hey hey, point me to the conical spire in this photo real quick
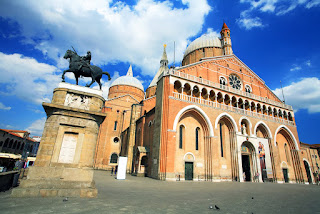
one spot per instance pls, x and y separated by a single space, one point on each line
163 67
224 26
130 73
164 58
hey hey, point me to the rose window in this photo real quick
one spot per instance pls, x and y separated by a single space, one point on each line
235 82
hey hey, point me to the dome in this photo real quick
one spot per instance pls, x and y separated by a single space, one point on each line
128 80
203 42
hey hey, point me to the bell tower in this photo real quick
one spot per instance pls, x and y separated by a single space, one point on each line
226 40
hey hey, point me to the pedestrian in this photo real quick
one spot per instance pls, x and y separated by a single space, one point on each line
244 176
112 171
115 171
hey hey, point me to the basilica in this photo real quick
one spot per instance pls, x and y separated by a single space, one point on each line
211 119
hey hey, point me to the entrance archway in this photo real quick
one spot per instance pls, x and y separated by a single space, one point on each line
306 166
249 163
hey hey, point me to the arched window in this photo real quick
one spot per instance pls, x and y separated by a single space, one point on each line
248 89
114 158
14 145
181 136
197 138
221 140
223 81
6 143
10 144
287 153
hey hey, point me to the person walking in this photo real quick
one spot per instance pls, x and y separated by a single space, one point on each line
115 171
112 171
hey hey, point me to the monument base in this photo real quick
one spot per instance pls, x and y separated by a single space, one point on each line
57 181
64 164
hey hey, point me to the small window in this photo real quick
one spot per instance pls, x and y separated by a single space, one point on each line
221 139
116 140
114 158
223 81
181 136
115 125
197 138
248 89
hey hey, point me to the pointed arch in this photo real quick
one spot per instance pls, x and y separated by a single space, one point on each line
199 110
290 134
265 125
231 119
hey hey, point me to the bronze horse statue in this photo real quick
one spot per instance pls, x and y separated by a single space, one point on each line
80 68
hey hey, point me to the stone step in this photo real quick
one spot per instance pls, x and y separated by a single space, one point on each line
37 192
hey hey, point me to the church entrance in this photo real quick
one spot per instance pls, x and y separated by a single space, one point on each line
189 171
246 168
306 166
285 175
249 162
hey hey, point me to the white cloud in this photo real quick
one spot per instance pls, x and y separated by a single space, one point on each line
36 128
279 7
308 63
247 22
26 78
113 32
6 126
313 3
295 68
3 107
304 94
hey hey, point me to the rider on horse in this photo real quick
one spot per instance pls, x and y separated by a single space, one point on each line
85 60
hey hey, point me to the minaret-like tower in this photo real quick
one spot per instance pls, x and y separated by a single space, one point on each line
151 90
226 40
164 59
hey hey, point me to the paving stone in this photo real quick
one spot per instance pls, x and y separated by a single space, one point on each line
145 195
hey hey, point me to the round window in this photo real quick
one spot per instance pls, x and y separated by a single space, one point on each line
116 140
235 81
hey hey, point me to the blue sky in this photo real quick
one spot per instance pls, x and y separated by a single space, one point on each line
277 39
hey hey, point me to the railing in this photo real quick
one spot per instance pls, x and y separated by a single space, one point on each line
223 87
217 105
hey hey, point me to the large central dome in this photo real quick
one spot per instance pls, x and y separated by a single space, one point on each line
204 41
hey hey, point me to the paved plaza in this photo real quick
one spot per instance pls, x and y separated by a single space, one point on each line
145 195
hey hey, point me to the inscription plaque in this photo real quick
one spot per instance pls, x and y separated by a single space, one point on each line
68 148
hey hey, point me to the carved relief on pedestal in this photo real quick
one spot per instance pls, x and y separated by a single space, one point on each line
77 101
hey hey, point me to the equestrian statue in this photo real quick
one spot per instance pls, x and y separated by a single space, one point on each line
80 66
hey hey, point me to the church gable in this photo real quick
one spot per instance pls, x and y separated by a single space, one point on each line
227 65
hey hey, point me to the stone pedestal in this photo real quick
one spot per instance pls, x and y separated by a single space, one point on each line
64 164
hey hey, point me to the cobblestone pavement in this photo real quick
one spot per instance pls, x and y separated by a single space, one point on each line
145 195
